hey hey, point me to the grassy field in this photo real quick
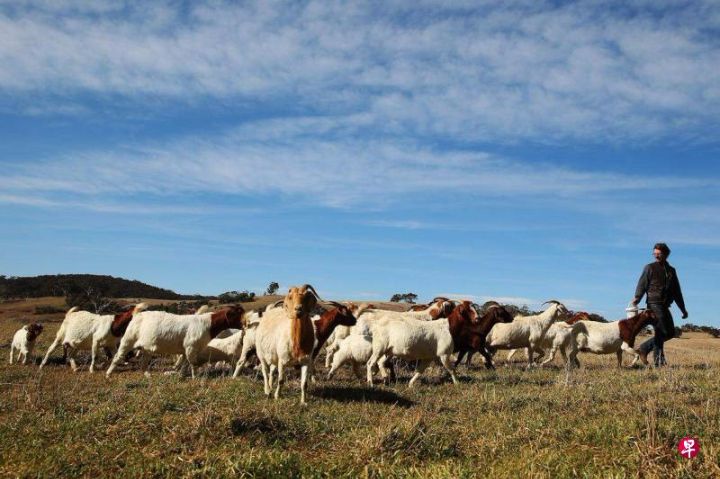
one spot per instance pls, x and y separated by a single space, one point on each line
595 422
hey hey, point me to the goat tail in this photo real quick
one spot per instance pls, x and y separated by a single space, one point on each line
362 308
302 335
71 310
139 308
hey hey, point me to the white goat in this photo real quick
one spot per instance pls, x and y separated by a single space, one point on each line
439 307
82 330
414 339
286 336
525 331
342 332
355 348
24 341
614 337
218 350
248 346
560 336
158 332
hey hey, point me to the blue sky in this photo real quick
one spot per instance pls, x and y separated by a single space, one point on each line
522 150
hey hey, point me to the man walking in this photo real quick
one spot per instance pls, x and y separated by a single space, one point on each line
660 282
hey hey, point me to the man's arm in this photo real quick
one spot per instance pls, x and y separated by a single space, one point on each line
677 295
642 285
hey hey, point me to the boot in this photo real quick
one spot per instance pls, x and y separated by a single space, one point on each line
643 357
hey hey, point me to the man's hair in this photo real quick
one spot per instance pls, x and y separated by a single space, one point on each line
663 247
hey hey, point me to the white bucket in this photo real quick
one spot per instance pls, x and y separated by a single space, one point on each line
631 311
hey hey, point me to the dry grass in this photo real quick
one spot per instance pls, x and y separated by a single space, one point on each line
595 422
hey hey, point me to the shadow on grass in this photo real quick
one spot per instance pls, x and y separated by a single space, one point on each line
52 361
266 428
345 394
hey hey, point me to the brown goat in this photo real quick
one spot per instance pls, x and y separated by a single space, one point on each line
579 316
33 331
298 305
471 336
329 320
631 327
226 319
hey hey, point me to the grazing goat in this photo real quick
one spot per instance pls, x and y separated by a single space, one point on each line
82 330
24 341
425 341
158 332
525 331
614 337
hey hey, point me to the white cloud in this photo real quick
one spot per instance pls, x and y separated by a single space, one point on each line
494 72
289 158
332 172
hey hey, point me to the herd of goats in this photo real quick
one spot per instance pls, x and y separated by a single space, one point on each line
291 333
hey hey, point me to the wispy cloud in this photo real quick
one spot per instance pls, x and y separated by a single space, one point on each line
125 207
404 224
336 172
502 71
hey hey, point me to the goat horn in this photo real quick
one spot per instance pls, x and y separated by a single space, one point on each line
555 301
336 304
307 286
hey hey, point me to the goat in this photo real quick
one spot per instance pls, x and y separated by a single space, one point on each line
356 349
425 341
493 315
222 348
559 338
525 331
24 341
158 332
275 347
82 330
342 332
614 337
287 336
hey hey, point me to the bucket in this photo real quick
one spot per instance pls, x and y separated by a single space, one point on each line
631 310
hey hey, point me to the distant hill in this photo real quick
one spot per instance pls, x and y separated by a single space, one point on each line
62 284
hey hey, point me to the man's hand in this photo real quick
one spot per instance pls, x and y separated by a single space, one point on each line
684 315
634 301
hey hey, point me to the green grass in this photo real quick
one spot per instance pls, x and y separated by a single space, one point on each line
596 422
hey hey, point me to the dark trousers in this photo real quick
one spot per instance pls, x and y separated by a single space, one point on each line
664 331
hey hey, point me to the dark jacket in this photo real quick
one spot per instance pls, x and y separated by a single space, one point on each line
660 282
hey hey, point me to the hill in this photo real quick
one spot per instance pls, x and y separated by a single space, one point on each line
71 284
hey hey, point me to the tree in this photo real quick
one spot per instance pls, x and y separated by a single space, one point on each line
89 297
272 288
236 297
406 297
